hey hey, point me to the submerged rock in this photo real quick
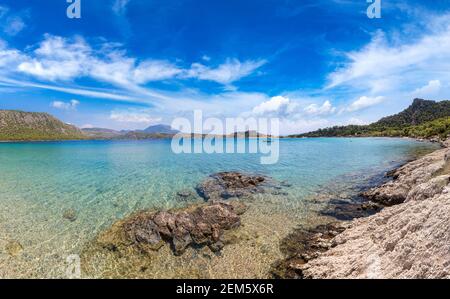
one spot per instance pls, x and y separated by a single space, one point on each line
201 225
70 215
187 196
14 248
303 245
349 210
225 185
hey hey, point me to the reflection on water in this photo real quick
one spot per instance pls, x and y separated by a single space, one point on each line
56 197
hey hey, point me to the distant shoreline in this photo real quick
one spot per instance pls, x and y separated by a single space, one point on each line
225 137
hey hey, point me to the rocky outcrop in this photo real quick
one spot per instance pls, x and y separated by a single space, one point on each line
201 225
408 240
225 185
407 177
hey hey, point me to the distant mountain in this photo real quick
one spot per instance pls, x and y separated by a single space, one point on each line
101 133
152 132
421 119
22 126
141 135
160 129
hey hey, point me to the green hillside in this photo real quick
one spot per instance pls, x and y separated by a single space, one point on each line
423 119
24 126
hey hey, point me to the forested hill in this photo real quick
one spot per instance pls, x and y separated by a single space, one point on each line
422 119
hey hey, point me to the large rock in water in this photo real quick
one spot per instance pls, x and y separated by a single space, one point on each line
225 185
199 226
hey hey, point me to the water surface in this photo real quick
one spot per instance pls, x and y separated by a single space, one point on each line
103 181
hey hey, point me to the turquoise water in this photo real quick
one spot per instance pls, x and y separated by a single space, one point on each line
103 181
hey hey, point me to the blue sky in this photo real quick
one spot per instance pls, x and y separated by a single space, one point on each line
127 64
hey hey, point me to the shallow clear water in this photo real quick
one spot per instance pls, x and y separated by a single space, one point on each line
103 181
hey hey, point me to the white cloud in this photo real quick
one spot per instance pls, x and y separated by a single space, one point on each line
87 126
230 71
119 6
394 64
325 108
57 58
364 102
8 58
3 11
134 117
432 88
154 71
72 105
14 25
276 105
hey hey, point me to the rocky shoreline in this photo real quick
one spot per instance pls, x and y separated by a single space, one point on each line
408 238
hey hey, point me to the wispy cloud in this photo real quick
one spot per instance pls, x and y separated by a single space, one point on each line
12 23
81 91
407 63
230 71
119 6
61 59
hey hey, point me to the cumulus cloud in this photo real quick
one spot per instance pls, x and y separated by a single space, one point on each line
432 88
276 105
364 102
72 105
8 58
137 117
324 109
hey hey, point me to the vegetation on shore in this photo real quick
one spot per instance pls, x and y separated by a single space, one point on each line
423 119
